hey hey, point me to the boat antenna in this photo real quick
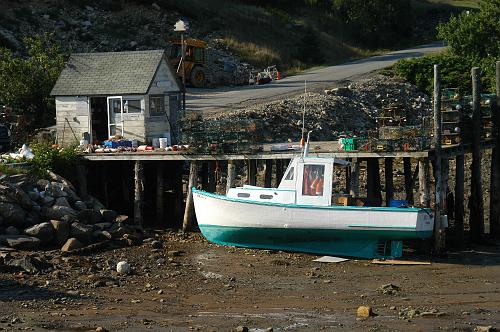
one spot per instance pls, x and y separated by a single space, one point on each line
306 147
303 116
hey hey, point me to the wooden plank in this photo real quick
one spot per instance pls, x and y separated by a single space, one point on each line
439 230
424 182
189 215
398 262
354 177
231 175
138 192
408 180
458 225
495 165
252 172
476 216
389 180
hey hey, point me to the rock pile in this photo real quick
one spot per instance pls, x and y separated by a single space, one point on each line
37 213
350 110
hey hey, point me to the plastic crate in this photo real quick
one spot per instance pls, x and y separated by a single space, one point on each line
116 144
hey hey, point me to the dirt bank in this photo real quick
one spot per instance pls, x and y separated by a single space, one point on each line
189 284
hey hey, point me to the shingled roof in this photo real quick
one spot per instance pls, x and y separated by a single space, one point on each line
108 73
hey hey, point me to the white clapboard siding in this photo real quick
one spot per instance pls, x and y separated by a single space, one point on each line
72 119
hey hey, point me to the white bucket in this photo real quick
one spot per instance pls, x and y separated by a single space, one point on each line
156 142
163 142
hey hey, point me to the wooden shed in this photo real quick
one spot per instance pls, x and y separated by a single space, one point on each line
133 94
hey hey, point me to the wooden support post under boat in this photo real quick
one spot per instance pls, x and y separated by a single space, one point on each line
252 172
423 182
160 191
354 177
449 200
279 172
81 173
348 178
268 173
439 231
189 210
389 180
138 192
231 175
458 230
495 165
211 181
373 182
476 216
408 180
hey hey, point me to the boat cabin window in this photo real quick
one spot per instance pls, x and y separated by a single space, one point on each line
266 196
313 180
245 195
289 175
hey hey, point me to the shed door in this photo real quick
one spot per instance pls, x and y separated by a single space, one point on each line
115 116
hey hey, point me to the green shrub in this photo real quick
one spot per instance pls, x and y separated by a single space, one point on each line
48 158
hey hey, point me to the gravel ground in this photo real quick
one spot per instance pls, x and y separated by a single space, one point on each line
187 283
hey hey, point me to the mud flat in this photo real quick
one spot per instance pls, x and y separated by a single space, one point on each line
181 282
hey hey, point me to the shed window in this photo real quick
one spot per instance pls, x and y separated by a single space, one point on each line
156 106
132 106
313 180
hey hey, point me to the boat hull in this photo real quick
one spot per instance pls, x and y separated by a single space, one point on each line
341 231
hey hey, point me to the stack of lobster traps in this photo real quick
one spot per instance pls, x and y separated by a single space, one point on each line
222 136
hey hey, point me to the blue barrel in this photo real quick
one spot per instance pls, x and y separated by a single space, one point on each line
398 203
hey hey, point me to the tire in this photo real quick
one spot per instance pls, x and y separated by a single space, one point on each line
198 77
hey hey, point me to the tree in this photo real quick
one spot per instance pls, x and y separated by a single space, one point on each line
476 34
26 80
376 23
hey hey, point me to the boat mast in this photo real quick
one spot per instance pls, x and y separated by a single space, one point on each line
303 116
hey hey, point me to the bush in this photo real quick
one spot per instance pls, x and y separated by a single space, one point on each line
49 158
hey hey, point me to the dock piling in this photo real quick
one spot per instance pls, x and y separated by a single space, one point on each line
189 209
495 164
389 180
439 231
138 192
231 175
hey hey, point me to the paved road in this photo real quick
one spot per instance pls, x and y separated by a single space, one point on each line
213 99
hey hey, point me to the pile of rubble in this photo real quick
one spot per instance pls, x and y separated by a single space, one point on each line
36 213
345 111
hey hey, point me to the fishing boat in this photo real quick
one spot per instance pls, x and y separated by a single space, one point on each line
299 216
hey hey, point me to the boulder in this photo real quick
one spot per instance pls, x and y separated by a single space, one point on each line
44 232
364 311
103 225
94 203
101 235
82 232
16 194
32 219
89 216
71 244
27 264
61 231
118 230
55 189
57 178
13 214
57 212
41 184
62 201
11 230
34 195
47 200
108 215
22 242
80 205
122 219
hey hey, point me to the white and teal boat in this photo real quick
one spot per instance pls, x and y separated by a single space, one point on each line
298 216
